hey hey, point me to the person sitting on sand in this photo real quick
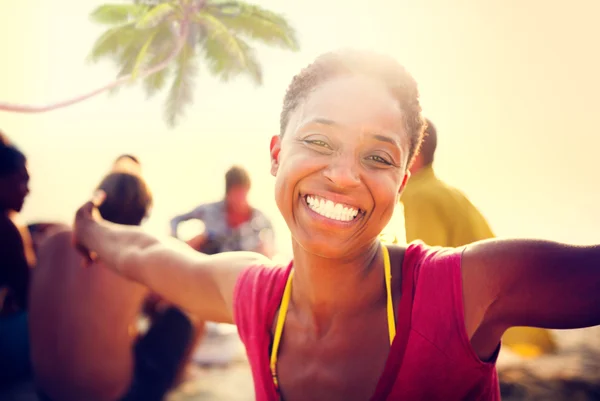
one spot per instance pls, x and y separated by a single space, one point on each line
154 307
350 319
231 224
84 343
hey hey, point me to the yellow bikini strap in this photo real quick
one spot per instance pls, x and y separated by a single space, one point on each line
283 308
388 287
285 302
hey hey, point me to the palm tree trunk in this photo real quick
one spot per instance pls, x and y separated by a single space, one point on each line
28 109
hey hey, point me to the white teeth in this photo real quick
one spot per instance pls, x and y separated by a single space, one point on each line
331 210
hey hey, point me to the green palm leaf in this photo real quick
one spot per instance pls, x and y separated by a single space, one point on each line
256 22
182 89
227 55
157 82
126 58
111 42
112 14
142 54
155 16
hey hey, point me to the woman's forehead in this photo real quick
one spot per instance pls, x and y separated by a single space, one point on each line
355 103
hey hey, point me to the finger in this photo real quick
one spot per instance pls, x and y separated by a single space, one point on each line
85 210
98 198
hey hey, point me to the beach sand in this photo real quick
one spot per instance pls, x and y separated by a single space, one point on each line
231 383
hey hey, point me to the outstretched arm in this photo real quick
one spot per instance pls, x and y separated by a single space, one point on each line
203 285
532 283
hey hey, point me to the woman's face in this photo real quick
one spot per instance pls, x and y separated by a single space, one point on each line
340 166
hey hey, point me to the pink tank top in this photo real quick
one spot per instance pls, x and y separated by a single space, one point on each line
435 360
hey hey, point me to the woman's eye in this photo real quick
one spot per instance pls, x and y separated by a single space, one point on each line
318 142
380 159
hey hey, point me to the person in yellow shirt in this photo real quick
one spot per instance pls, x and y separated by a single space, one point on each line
441 215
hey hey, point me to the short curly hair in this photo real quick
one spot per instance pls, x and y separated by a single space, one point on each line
382 68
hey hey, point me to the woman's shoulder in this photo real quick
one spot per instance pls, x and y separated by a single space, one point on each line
422 258
257 293
423 253
262 276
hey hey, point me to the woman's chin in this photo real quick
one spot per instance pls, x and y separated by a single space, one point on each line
327 248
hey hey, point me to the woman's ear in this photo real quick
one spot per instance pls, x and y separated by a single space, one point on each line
403 185
275 149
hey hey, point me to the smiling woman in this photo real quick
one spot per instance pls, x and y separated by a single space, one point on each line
350 125
350 318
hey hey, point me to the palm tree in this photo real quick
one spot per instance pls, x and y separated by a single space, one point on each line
161 42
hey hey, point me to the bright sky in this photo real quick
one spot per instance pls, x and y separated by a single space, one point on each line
512 87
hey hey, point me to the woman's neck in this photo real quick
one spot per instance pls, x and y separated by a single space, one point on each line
324 289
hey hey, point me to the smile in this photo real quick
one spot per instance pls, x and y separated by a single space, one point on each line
330 209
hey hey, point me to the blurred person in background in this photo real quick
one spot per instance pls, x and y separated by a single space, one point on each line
85 343
441 215
231 224
16 260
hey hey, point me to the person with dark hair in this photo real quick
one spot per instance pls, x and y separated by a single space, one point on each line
231 224
83 322
16 259
350 318
130 199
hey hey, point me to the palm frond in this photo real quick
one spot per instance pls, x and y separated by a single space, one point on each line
142 54
226 54
155 16
256 22
110 42
127 57
114 14
157 81
139 47
182 89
